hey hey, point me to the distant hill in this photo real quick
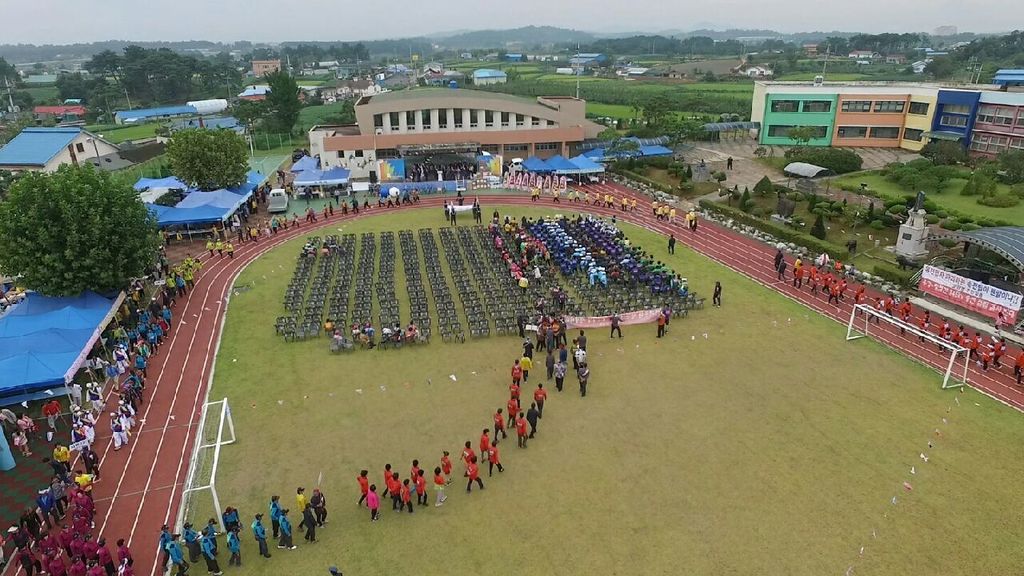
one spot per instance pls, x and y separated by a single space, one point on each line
526 36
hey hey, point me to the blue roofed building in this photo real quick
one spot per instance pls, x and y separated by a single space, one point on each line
141 115
1009 78
589 59
210 122
44 149
515 57
486 76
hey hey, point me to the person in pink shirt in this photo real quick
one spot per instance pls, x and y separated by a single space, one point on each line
104 558
96 570
124 554
77 568
90 549
373 503
55 566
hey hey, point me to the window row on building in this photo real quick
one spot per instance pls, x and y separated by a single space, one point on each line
447 119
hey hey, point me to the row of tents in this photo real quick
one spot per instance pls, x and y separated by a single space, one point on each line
197 207
560 165
308 173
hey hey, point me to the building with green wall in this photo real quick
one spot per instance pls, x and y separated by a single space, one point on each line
783 112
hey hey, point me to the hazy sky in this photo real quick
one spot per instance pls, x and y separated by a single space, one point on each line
66 21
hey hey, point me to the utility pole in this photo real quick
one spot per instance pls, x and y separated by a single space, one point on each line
10 97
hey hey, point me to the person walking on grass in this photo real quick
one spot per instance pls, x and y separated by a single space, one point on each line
499 424
494 459
395 488
319 504
260 534
584 377
473 473
173 552
517 373
549 363
521 433
540 395
210 556
716 295
421 488
446 466
527 364
485 441
275 516
191 538
309 520
387 480
406 493
235 547
373 503
439 483
560 370
364 486
513 409
285 542
531 416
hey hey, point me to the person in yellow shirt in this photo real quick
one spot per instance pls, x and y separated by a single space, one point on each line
632 205
300 498
62 455
219 245
623 203
535 194
230 249
654 207
526 363
209 246
671 215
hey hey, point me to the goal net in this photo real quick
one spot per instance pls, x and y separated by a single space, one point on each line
199 497
888 327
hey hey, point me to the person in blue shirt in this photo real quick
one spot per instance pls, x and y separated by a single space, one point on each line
173 551
140 364
235 546
231 519
167 314
286 531
191 538
275 516
165 540
210 554
260 533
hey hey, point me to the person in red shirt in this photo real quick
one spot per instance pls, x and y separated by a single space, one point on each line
924 323
513 408
387 481
439 484
51 410
858 296
467 455
395 487
364 486
812 279
446 466
55 566
513 389
539 396
972 344
421 488
984 357
473 473
798 277
485 441
494 459
105 558
998 349
517 372
415 470
499 424
1018 367
521 430
842 288
406 496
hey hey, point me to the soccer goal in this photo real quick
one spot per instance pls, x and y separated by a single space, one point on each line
859 327
199 497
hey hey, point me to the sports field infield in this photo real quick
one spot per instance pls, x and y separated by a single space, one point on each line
751 440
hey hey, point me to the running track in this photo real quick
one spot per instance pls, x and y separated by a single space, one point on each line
141 486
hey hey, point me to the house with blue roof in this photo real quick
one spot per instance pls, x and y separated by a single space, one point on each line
486 76
140 115
45 149
1009 78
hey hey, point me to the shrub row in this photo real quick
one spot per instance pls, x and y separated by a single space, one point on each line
779 231
893 274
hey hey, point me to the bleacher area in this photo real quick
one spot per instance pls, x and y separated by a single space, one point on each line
472 282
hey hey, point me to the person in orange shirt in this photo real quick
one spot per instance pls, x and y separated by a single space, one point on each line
521 430
798 277
499 424
812 279
833 292
387 481
473 473
1018 367
661 325
415 470
406 496
421 488
998 350
396 492
985 356
858 296
494 459
539 396
973 343
467 452
513 389
439 484
485 441
513 407
446 466
364 486
842 288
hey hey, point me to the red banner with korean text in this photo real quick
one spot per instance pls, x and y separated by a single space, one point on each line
970 294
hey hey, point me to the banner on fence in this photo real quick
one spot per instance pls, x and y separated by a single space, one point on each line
971 294
638 317
563 183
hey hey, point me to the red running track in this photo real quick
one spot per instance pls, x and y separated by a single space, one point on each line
141 486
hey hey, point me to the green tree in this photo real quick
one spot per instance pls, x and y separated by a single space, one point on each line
250 113
945 153
656 108
1012 164
208 159
818 228
801 135
746 204
74 230
7 71
764 186
608 134
282 102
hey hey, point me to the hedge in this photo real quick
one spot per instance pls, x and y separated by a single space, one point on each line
783 233
893 274
940 212
645 180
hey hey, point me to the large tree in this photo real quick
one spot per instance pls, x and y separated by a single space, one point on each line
208 159
282 103
74 230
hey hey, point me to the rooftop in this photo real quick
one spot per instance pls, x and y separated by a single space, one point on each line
142 113
441 93
37 146
488 73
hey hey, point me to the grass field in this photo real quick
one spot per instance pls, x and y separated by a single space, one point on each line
949 199
313 115
771 447
118 134
41 94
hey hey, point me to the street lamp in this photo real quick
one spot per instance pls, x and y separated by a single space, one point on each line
95 149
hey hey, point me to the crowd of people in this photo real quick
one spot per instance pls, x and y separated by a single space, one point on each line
427 171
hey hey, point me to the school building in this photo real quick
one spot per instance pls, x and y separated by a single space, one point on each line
985 119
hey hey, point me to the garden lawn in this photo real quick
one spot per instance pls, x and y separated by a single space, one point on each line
119 134
949 199
769 447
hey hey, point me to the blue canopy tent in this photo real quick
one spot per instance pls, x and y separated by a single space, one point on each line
216 198
166 183
655 150
585 165
534 164
305 163
560 165
333 177
44 341
206 214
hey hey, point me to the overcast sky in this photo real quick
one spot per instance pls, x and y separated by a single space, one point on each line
66 21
